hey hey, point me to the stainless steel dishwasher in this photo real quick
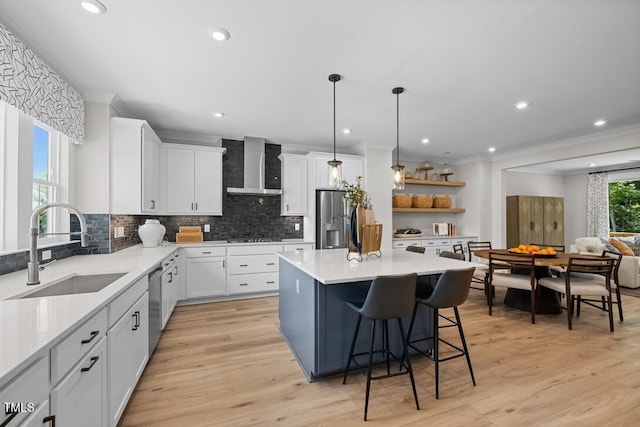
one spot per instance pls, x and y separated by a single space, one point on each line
155 308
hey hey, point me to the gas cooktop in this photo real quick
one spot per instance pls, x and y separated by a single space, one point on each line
253 240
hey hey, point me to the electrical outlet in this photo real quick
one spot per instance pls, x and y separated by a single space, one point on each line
115 232
207 228
46 255
296 226
121 231
118 232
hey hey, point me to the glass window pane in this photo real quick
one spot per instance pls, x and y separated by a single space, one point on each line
40 153
42 195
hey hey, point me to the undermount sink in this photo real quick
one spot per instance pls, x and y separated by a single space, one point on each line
76 284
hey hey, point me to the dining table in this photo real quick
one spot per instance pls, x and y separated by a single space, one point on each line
548 301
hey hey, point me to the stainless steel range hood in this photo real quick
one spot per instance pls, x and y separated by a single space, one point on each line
254 170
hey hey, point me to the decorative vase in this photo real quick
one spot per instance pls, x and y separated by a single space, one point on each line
151 233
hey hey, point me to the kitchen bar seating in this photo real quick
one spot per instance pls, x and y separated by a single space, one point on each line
451 290
389 297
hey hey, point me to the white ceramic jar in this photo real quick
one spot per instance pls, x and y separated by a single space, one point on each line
151 233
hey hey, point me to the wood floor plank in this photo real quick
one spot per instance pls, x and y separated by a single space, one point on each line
226 364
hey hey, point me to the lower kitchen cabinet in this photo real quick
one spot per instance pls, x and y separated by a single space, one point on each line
206 272
128 354
30 386
80 399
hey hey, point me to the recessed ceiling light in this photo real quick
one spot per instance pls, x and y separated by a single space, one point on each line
93 6
425 140
600 122
492 149
346 131
218 114
522 105
591 165
220 34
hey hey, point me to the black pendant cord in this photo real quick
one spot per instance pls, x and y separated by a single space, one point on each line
397 128
334 121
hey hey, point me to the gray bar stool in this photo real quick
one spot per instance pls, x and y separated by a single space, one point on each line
451 290
389 297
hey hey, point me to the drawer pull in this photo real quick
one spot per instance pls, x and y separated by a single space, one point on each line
93 335
271 263
94 359
206 252
50 419
270 282
244 265
12 416
244 284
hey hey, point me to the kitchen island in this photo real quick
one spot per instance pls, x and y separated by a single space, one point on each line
314 285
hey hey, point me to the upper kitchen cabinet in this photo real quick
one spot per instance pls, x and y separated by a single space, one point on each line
194 179
135 167
294 184
352 167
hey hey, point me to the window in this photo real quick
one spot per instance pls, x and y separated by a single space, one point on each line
624 206
44 175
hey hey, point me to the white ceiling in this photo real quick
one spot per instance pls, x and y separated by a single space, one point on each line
463 63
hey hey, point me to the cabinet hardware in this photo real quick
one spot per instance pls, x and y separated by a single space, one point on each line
93 335
138 318
94 359
153 204
299 249
196 205
224 263
12 416
287 207
206 252
50 419
271 263
135 321
175 270
555 225
243 284
192 206
270 282
171 277
244 265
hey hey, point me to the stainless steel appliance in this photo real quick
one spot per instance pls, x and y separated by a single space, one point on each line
331 219
155 308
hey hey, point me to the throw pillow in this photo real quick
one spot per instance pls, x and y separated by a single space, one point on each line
609 246
624 249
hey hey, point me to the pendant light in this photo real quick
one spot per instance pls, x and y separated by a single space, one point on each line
335 166
398 169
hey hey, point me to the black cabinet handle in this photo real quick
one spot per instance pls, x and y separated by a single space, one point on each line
137 313
12 415
50 419
175 270
244 265
271 263
531 225
555 225
93 335
135 321
153 204
206 252
94 359
171 277
270 282
244 284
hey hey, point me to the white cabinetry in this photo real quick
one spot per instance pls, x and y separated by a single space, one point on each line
294 184
135 167
205 272
80 399
194 179
352 167
128 355
29 387
434 245
169 282
253 269
293 247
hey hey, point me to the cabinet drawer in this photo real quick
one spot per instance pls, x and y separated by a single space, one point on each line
243 264
404 243
436 242
30 386
121 304
243 283
297 247
38 415
254 250
204 251
69 351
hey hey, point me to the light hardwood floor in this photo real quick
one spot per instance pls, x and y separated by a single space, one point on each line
226 364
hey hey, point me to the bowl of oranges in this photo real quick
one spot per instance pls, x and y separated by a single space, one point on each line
535 250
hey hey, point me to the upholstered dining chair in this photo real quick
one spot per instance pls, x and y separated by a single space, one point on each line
614 284
505 270
585 276
480 271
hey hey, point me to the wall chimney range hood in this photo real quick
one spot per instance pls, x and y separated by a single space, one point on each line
254 170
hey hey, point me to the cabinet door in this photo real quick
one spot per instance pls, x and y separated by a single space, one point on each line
208 183
180 180
206 277
351 169
150 171
140 337
294 186
167 295
80 399
553 221
120 365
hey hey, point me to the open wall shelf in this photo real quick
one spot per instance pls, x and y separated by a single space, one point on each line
430 210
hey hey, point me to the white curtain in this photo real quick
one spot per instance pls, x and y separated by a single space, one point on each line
598 205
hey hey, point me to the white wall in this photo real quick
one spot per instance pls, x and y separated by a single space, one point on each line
473 197
575 212
92 161
377 170
533 184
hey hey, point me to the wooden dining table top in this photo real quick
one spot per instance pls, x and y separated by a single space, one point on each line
561 259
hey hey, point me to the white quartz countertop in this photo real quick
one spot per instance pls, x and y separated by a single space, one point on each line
431 236
330 266
31 326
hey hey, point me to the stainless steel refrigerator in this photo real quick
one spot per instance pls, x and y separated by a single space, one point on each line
331 219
